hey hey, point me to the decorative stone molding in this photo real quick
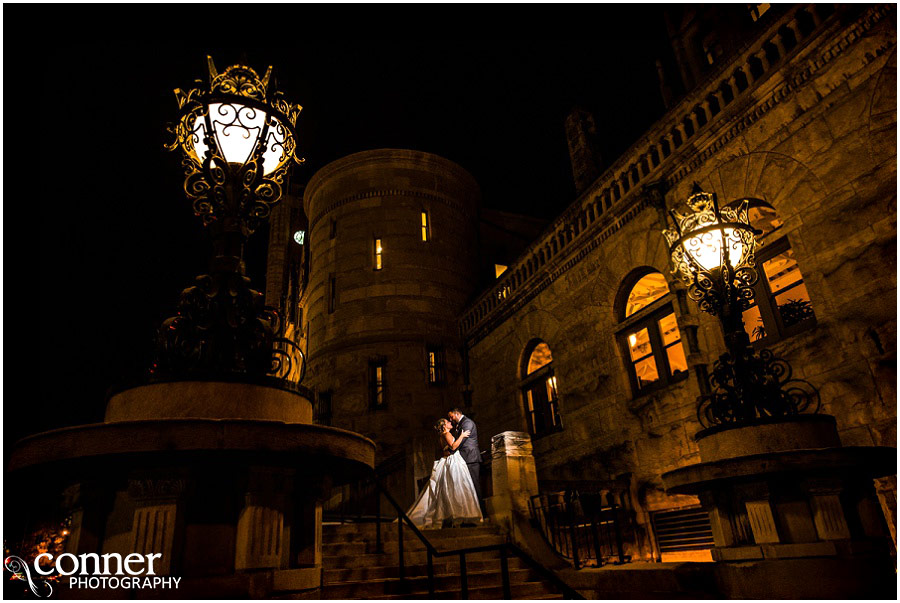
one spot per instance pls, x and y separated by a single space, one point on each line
388 193
508 295
156 488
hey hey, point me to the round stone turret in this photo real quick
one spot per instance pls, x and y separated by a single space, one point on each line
392 264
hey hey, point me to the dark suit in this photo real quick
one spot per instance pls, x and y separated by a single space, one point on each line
470 451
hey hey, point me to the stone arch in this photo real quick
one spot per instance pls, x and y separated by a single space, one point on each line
536 324
781 180
882 114
627 284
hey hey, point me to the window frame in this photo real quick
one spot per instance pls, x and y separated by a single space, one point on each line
535 379
440 365
648 317
764 299
378 254
425 229
374 365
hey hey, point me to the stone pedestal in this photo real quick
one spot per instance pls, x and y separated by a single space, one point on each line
784 495
222 480
513 475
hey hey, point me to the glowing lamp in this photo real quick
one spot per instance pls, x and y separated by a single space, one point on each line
711 242
238 140
712 252
237 129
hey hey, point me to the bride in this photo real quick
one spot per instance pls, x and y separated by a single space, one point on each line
450 493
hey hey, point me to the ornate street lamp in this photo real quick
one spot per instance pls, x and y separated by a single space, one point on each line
712 250
238 141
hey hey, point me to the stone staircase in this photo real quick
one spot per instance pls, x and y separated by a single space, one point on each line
353 570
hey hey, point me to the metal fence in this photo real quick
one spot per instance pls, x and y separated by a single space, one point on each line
581 526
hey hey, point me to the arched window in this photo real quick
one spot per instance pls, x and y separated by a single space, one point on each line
650 337
539 390
781 305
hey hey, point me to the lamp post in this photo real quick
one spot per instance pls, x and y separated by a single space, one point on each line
238 140
712 250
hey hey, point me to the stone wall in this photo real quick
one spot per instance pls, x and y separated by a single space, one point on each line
394 313
816 139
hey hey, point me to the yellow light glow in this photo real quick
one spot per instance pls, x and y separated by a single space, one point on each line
237 128
706 248
499 269
424 226
632 339
378 254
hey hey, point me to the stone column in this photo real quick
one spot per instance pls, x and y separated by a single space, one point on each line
261 533
886 488
89 505
158 516
514 476
828 514
759 512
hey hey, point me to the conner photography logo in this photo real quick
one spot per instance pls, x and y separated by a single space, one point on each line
88 570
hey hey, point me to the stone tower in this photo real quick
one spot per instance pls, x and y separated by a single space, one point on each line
581 134
392 264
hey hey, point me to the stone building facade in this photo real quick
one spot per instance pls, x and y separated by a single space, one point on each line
799 117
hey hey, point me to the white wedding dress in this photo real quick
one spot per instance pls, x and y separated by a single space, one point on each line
449 494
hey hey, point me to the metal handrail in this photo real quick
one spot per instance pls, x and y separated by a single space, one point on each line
504 549
561 530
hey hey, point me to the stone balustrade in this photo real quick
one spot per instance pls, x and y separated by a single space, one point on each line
614 196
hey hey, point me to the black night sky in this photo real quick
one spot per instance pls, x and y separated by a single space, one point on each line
487 86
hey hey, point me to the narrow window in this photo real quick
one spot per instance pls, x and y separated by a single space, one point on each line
378 254
424 225
435 359
377 382
539 390
333 232
332 291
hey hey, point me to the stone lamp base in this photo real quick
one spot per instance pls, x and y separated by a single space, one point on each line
793 514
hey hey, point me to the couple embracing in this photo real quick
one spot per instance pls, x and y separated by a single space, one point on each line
453 493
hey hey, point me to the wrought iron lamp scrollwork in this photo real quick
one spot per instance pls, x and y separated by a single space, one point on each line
238 142
712 250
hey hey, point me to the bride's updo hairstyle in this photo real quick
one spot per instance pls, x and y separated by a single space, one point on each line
439 426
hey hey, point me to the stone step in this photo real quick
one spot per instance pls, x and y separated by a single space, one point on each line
389 532
360 547
441 568
477 581
526 590
415 557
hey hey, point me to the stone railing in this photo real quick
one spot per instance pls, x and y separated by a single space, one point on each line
615 197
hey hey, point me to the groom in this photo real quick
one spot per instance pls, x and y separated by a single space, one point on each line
468 450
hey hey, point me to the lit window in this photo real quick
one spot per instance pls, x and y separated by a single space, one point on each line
758 10
299 237
646 291
378 254
435 358
377 383
781 305
424 225
651 338
539 390
499 269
